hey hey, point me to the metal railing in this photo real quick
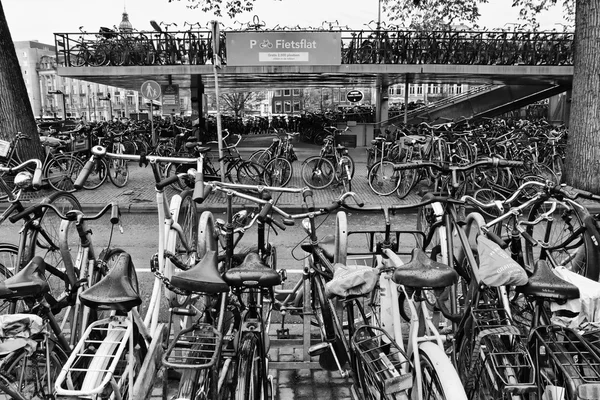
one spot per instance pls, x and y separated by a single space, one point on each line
357 47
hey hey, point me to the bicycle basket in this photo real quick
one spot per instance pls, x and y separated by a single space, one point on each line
4 148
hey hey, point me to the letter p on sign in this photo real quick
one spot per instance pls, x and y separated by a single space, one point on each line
252 43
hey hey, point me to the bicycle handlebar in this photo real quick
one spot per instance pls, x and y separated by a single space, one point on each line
36 181
71 215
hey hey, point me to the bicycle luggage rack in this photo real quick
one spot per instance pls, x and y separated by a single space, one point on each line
381 354
197 347
508 371
109 337
577 359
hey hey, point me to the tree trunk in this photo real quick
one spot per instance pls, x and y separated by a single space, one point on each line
583 151
16 114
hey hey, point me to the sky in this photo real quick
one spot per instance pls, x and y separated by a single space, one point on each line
40 19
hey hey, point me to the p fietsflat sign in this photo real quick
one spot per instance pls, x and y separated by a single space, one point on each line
283 48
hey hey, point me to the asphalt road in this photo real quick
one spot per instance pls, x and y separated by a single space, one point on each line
140 239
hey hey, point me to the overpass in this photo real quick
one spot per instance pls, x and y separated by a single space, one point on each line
523 67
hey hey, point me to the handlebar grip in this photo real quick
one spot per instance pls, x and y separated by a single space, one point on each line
332 207
510 163
37 178
277 224
528 237
308 199
114 213
265 211
83 175
497 239
166 182
198 195
23 213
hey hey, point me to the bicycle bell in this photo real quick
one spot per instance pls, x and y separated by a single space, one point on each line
23 180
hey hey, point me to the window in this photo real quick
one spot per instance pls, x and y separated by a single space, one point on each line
459 88
278 107
287 92
419 89
336 96
296 105
287 106
451 89
296 92
278 93
411 89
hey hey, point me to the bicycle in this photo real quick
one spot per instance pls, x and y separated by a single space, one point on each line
319 172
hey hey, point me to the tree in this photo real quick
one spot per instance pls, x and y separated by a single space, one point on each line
583 150
238 102
16 114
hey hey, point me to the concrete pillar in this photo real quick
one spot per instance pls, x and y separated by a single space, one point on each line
197 99
382 103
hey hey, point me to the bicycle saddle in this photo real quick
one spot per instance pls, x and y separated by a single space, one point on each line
544 284
203 277
252 272
339 147
28 282
194 145
118 290
422 272
327 245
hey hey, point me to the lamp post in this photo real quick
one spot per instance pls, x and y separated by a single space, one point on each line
64 102
107 98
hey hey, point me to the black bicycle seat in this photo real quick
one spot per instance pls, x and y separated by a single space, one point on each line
545 284
423 272
327 245
252 272
118 290
29 282
203 277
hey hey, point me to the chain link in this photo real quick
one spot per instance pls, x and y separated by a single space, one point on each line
165 281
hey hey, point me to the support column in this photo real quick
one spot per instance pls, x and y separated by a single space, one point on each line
382 103
197 103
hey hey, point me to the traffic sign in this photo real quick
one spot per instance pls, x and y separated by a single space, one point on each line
354 96
170 99
150 90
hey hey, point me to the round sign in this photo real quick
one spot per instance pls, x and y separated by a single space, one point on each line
150 90
354 95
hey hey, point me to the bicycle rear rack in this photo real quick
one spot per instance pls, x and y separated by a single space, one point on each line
98 359
497 359
383 359
563 350
197 347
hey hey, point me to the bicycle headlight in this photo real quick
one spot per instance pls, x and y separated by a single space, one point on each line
23 180
306 225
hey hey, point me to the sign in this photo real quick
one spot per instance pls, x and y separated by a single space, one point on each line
150 90
354 96
283 48
170 99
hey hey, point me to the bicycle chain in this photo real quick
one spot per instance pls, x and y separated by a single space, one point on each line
165 281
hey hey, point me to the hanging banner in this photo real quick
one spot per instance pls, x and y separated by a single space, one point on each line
283 48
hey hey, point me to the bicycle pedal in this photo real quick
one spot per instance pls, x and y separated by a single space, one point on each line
318 349
398 384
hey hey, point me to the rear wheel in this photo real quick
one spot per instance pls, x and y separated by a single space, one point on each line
318 172
97 176
278 172
382 178
249 382
250 173
408 179
9 265
61 172
439 377
8 179
118 172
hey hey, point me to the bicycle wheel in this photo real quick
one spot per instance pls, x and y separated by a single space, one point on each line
97 176
118 172
543 171
438 155
250 173
439 377
29 371
317 172
173 169
185 213
78 56
249 383
278 172
572 243
62 171
487 195
344 173
408 180
383 180
9 389
9 180
261 157
9 265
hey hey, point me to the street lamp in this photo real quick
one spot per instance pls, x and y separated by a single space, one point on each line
63 101
107 98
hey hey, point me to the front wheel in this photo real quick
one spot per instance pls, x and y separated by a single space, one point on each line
118 172
249 360
278 172
383 180
250 173
439 379
318 172
61 172
97 176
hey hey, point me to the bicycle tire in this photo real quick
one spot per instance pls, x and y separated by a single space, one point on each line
184 211
580 255
10 389
97 176
261 157
9 265
442 375
317 172
278 172
487 195
250 173
173 169
118 172
9 179
382 178
350 164
129 147
438 155
19 367
408 180
249 383
62 171
77 56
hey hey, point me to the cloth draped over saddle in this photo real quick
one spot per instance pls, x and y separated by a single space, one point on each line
16 331
351 280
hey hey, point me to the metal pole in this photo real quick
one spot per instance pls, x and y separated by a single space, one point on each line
216 66
64 106
406 99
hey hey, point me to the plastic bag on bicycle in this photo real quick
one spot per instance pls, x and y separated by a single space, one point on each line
587 306
496 267
16 330
351 280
